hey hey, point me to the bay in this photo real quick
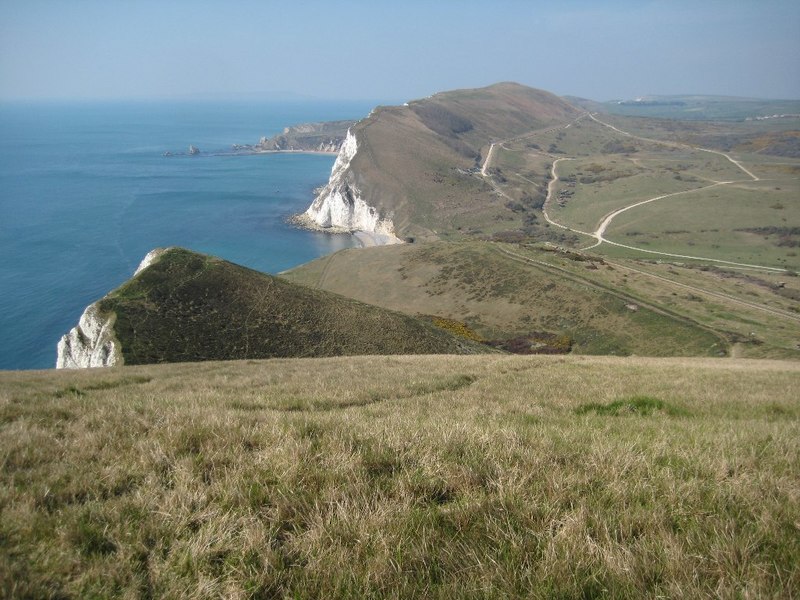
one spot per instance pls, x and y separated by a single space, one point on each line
86 192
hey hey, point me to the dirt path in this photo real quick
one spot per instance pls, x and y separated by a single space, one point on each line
551 186
488 159
607 220
324 275
676 145
598 234
501 143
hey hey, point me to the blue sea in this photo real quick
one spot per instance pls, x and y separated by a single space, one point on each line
86 192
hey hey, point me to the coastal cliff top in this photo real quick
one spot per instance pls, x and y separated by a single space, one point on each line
186 306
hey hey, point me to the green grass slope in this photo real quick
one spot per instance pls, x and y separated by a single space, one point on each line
501 296
403 477
703 205
191 307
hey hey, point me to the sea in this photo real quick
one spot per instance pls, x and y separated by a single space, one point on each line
86 191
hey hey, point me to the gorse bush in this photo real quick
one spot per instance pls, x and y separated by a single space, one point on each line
457 328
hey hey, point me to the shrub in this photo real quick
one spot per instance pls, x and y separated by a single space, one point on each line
457 328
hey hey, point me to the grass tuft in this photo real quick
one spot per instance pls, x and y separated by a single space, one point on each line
91 537
635 405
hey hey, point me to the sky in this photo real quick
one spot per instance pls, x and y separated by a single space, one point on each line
396 51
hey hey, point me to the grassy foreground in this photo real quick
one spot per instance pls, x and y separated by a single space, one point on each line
434 477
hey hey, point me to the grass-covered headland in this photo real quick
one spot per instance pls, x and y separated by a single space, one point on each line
193 307
430 477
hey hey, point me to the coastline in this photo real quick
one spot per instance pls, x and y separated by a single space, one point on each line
365 239
117 144
325 152
247 152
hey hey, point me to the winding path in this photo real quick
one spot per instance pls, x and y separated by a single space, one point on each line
607 220
598 234
517 138
675 145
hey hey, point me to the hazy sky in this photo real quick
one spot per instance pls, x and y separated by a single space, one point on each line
396 50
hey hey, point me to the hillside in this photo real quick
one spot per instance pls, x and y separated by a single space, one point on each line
480 164
408 477
411 165
672 237
306 137
605 306
191 307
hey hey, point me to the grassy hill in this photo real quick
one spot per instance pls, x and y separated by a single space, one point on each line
374 477
605 305
446 476
417 164
501 297
191 307
718 191
412 160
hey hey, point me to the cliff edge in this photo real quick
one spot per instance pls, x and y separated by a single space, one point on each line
339 206
93 341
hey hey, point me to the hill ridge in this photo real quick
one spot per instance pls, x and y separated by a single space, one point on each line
431 138
183 306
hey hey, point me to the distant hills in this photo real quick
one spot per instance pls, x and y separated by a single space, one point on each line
307 137
695 107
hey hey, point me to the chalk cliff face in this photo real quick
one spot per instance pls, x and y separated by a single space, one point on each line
93 343
339 205
90 344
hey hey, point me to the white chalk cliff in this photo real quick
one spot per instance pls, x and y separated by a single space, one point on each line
339 206
93 343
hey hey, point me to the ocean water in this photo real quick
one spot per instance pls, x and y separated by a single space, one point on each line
85 193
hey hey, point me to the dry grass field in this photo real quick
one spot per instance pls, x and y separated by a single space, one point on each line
506 290
397 477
